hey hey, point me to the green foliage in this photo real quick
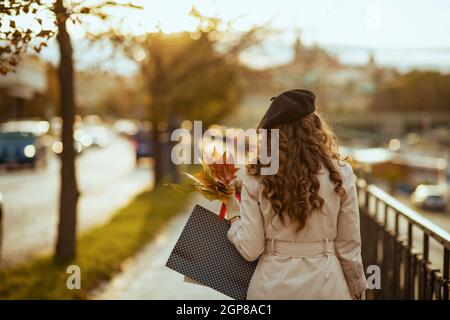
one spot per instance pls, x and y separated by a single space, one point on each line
100 251
192 75
415 90
15 37
188 78
19 35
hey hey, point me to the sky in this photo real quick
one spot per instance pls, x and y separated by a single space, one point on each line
382 23
401 33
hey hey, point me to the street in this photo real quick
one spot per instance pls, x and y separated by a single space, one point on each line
107 179
440 218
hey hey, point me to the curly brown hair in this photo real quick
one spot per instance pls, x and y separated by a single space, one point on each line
304 146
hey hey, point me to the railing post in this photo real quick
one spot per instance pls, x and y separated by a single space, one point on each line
446 272
425 257
378 233
389 252
397 257
364 222
408 265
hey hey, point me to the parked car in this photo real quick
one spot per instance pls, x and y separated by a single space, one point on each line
37 127
22 148
98 135
142 144
126 127
57 147
430 197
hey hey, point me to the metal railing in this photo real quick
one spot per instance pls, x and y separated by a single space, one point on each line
412 252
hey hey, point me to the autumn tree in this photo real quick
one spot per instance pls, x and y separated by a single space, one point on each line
28 26
415 90
190 75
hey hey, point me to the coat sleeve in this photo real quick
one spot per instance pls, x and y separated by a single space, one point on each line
348 240
247 234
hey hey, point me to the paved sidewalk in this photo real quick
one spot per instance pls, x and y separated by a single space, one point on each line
146 277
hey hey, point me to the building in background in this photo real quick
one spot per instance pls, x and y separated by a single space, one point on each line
339 87
345 93
21 86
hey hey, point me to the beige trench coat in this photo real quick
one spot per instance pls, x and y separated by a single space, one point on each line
321 261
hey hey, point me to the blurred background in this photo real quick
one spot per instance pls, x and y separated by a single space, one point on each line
380 70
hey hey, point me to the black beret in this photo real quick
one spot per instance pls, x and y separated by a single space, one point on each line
287 107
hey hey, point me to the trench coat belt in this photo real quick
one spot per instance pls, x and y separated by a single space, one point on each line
299 249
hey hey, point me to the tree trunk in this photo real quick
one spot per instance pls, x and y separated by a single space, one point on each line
19 110
158 168
173 123
66 241
156 85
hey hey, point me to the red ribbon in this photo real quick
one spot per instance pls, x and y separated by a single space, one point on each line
223 208
223 211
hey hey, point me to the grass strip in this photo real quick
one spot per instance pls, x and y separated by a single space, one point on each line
101 250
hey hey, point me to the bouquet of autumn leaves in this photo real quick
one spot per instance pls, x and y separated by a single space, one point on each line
214 182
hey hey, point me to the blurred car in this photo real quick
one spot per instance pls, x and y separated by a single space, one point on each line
126 127
92 120
22 148
37 127
96 136
81 142
142 144
57 147
430 197
24 142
